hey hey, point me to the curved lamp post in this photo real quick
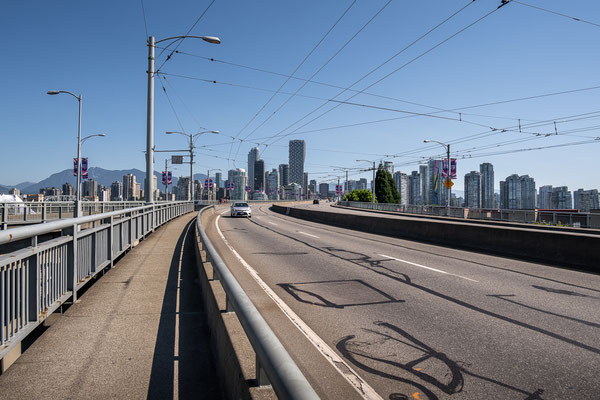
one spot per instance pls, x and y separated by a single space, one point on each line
78 196
150 110
191 137
447 148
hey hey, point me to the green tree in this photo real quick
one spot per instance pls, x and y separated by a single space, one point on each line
359 195
385 187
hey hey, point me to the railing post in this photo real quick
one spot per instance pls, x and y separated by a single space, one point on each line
43 212
72 261
111 242
33 290
261 375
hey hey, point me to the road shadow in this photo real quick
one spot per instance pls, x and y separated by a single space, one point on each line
183 362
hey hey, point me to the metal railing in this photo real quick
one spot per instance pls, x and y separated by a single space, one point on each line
43 211
40 275
540 217
271 357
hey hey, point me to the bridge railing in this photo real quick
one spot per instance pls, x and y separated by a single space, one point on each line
272 359
536 216
30 212
43 265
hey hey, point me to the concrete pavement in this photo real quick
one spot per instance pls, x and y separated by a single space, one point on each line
137 332
417 320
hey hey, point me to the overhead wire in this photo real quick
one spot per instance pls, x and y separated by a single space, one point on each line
144 15
557 13
320 68
296 69
384 63
182 39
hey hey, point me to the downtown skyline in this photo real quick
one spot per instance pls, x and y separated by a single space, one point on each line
115 103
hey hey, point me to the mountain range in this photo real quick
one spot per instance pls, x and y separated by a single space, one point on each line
102 176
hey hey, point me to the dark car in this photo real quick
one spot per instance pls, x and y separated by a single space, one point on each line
316 201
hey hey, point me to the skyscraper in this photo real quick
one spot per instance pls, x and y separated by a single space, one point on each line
586 200
324 190
253 156
129 187
518 192
487 185
473 189
259 176
389 167
219 179
284 174
544 197
90 188
272 182
305 185
414 188
402 184
425 175
240 181
561 198
116 191
67 189
297 154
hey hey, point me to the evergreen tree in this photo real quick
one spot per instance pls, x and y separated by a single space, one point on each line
385 187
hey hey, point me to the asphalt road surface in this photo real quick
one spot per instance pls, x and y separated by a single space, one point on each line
368 316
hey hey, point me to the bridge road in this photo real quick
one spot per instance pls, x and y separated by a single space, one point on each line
137 332
419 321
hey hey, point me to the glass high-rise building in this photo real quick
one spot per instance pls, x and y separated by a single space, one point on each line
487 185
259 176
473 189
253 156
414 188
297 155
284 174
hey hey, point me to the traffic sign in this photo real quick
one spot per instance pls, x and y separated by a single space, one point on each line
448 183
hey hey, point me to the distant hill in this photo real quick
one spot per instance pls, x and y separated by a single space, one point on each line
103 176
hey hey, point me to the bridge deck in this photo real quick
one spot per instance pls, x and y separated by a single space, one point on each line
137 332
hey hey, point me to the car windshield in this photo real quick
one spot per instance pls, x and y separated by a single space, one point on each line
240 205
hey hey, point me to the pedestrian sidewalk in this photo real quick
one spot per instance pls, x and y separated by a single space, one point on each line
137 332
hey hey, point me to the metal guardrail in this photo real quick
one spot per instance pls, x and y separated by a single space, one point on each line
540 217
33 212
36 279
271 357
43 211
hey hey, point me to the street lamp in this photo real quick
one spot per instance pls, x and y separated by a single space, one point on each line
78 197
373 185
447 148
150 108
191 136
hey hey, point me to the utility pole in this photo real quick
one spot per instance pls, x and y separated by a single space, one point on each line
150 123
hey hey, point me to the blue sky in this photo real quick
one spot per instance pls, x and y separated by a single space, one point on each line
99 49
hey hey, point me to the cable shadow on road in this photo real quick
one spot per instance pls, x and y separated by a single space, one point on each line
337 293
377 266
444 255
505 297
445 374
182 365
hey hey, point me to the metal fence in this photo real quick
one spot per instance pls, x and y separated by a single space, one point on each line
43 211
42 273
539 217
271 357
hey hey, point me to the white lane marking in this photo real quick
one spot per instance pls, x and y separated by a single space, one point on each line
272 223
429 268
358 383
308 234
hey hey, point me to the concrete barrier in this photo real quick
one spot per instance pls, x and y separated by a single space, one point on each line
575 250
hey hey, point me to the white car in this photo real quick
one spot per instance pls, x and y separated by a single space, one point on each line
241 210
